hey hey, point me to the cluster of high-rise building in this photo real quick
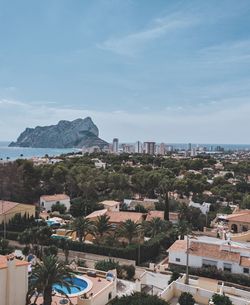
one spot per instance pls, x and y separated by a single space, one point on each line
153 148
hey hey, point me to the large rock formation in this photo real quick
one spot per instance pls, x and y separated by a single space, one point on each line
78 133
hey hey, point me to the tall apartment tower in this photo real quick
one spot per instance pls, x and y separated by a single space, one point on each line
162 149
138 147
115 145
149 148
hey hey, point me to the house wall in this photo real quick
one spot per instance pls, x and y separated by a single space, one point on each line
3 285
101 298
13 284
29 209
48 204
201 295
240 225
197 261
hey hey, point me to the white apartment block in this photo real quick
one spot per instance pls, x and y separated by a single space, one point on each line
13 281
208 251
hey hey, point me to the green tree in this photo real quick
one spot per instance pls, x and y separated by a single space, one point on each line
221 300
129 229
82 226
63 243
245 202
155 226
4 247
61 208
186 298
102 226
47 273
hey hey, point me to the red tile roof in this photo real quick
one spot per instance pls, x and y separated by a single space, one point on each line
56 197
3 262
6 206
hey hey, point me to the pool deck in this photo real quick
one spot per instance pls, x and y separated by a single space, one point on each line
98 285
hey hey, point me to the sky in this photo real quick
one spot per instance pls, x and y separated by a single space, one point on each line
164 70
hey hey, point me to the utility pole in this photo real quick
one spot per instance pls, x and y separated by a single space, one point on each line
187 263
4 227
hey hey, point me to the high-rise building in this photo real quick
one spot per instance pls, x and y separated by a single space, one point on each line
162 149
138 147
115 145
189 146
149 148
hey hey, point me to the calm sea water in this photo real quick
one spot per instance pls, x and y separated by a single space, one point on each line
19 152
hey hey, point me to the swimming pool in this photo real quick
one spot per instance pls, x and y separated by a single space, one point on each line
79 285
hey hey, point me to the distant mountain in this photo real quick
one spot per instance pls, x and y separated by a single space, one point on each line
78 133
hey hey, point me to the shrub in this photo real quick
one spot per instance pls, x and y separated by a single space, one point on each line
106 265
138 298
174 276
129 270
186 298
221 300
51 250
81 263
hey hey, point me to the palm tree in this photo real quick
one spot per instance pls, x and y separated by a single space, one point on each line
102 226
64 245
129 229
82 226
155 226
182 228
47 273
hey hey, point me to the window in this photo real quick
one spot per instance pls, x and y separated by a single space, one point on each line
208 263
177 259
110 295
245 270
227 267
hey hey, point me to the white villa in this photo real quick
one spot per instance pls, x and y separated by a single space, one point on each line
46 201
13 280
111 205
208 251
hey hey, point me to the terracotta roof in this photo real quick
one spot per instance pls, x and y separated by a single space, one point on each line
242 216
154 214
117 217
178 245
56 197
110 203
213 251
97 213
205 250
3 262
245 261
6 206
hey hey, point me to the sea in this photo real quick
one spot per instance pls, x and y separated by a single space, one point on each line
13 153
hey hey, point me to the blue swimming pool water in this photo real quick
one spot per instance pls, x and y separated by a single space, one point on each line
78 285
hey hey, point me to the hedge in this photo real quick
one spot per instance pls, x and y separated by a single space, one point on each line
10 235
148 251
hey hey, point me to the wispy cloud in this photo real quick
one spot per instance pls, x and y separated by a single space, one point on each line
228 52
130 44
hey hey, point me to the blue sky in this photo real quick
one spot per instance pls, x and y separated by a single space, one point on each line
172 71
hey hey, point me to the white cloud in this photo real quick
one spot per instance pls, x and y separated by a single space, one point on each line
131 43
